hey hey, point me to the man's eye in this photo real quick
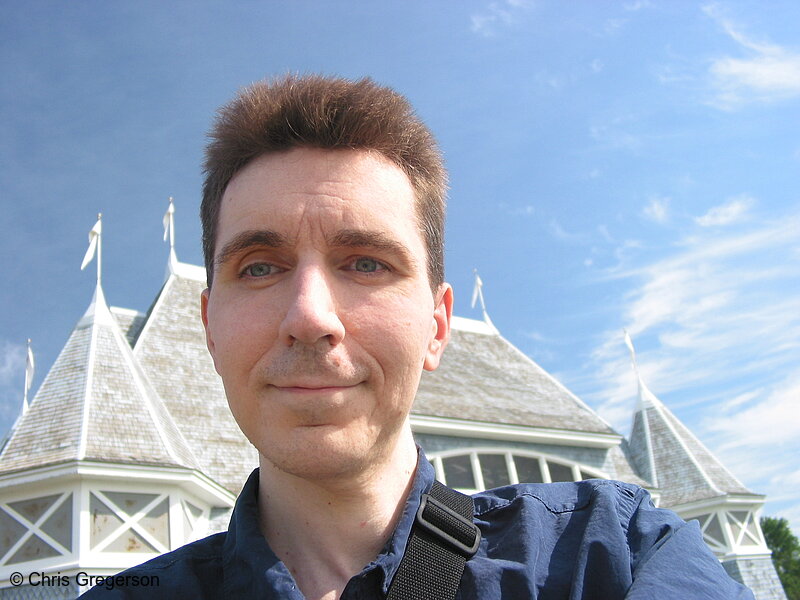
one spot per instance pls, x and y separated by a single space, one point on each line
259 270
368 265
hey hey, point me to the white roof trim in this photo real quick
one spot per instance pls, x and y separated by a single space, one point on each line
142 388
188 271
472 326
90 320
201 484
127 312
519 433
651 459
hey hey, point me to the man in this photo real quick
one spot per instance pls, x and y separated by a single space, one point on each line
323 217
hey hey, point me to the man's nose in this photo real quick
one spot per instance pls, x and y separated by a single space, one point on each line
312 316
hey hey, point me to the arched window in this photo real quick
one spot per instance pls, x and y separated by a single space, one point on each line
486 468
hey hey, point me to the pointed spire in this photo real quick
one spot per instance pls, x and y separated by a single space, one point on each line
95 245
98 309
169 233
646 400
477 295
646 397
30 368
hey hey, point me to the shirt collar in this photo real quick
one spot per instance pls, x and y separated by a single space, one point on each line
250 565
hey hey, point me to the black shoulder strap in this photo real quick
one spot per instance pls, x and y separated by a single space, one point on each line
442 539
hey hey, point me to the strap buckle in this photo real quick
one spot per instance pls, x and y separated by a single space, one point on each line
432 505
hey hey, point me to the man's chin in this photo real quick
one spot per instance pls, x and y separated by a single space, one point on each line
322 453
320 467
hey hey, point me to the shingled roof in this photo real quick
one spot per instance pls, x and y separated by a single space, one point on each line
96 404
483 377
668 454
171 349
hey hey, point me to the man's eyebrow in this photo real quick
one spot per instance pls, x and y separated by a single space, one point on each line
358 238
249 239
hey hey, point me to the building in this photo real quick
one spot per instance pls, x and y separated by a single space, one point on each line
129 450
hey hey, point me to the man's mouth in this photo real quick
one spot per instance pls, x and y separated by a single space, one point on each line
314 388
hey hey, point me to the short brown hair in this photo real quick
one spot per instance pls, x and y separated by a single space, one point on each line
326 112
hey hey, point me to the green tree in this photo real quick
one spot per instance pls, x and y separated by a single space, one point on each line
785 553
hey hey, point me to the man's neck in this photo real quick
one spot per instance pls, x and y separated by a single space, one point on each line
326 532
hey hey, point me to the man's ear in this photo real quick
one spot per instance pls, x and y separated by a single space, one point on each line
204 298
440 329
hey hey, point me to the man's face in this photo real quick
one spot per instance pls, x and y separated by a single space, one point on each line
321 318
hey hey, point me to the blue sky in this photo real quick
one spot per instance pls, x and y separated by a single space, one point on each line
613 165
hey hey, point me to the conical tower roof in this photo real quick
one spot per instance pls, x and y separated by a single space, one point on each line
96 404
171 349
670 456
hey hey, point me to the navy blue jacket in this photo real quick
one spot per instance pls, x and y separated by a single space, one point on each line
595 539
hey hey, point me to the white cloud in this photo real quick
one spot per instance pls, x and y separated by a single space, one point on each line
522 211
614 137
717 331
603 231
770 72
597 65
565 236
638 5
496 15
717 315
731 211
718 341
12 362
657 210
769 422
612 26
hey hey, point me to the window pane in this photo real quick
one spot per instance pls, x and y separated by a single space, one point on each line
129 502
739 515
528 469
156 522
713 531
494 470
34 508
59 525
458 472
560 472
10 532
752 533
103 520
34 548
130 541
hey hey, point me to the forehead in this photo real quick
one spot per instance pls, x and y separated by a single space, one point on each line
308 189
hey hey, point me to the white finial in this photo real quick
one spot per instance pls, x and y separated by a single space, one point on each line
30 367
169 233
629 344
95 244
646 397
477 295
169 224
